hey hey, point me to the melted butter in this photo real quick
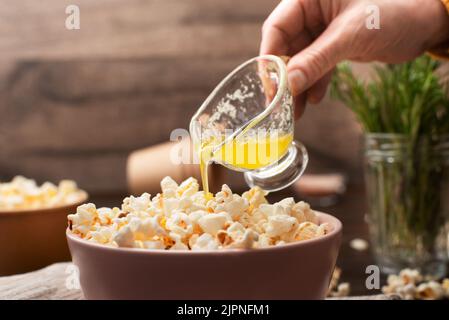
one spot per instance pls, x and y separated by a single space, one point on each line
251 153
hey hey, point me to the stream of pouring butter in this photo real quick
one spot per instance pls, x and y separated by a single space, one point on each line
244 154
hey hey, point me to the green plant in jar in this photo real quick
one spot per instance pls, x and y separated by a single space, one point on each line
404 112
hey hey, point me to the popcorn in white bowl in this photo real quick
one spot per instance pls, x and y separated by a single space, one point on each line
183 218
25 194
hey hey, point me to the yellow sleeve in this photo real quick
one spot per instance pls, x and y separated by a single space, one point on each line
444 53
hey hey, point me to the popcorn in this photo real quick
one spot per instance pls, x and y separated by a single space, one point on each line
280 224
445 285
179 223
359 244
178 245
410 276
136 204
407 292
188 188
22 193
236 230
246 241
233 204
181 218
264 241
431 290
409 285
154 244
306 231
125 237
213 222
343 290
106 215
205 242
255 197
336 289
84 218
169 187
303 212
103 235
147 228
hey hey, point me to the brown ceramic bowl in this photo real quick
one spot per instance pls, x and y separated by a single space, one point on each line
294 271
32 239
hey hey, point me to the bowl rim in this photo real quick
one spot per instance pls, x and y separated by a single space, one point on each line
82 200
337 228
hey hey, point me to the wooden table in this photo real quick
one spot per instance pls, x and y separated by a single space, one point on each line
54 282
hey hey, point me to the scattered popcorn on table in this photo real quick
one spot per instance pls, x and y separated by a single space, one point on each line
409 285
431 290
336 289
359 244
182 218
22 193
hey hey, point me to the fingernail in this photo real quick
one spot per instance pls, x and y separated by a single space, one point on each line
297 81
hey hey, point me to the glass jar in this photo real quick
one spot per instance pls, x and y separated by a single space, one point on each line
408 199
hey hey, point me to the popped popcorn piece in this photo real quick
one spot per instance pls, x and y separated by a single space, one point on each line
334 280
323 229
188 187
410 276
83 219
445 286
205 242
103 235
343 290
125 237
154 244
231 203
146 228
407 292
280 224
182 218
255 197
213 222
359 244
224 195
169 187
409 285
306 231
136 204
236 230
303 213
22 193
178 245
336 289
245 241
431 290
179 223
264 241
106 215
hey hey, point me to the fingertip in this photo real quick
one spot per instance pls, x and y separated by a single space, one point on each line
315 97
318 91
297 81
300 106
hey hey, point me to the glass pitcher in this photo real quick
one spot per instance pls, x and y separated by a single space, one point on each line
247 122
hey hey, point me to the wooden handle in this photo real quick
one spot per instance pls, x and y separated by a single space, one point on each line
147 167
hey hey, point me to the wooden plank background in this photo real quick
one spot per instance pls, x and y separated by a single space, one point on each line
74 103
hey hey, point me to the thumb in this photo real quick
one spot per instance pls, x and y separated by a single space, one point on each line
315 61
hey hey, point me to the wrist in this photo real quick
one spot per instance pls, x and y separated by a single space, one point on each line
440 19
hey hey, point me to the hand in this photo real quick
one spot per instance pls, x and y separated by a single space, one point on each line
320 33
